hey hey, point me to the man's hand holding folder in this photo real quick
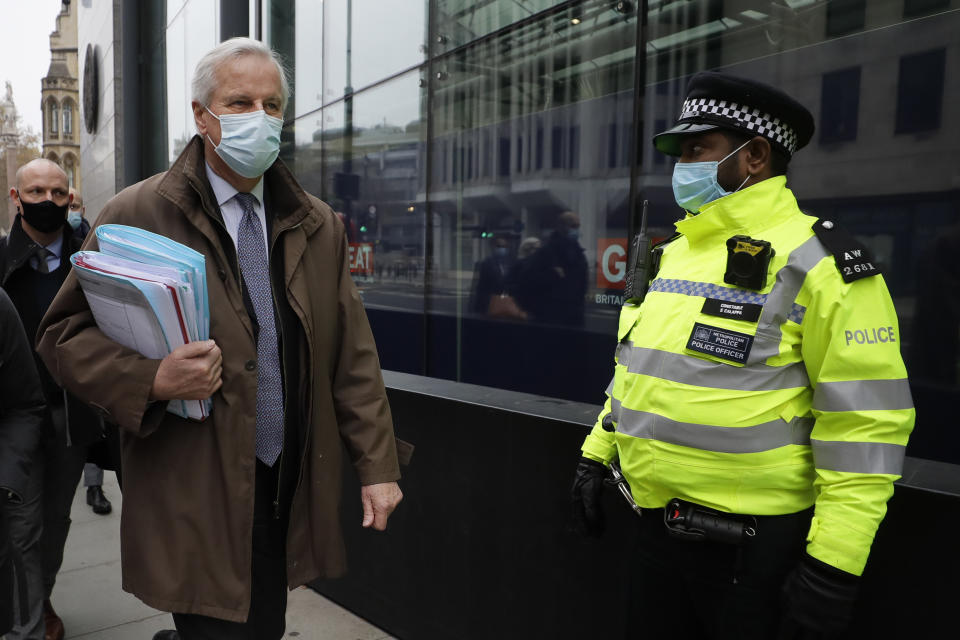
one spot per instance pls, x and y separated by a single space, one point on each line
189 372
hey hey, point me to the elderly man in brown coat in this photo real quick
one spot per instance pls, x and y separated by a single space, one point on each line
220 517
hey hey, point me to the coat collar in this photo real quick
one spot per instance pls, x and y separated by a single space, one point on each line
750 211
20 246
185 184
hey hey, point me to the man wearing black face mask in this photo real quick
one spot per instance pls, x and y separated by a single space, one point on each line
34 262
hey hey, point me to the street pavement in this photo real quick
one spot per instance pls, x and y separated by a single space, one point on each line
92 605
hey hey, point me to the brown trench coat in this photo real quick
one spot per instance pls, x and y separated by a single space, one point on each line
188 490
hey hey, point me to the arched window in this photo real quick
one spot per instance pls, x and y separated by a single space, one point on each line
69 166
67 119
54 117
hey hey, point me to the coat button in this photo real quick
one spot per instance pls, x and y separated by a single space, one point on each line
222 273
251 365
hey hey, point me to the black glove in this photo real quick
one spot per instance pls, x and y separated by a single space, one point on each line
818 600
585 498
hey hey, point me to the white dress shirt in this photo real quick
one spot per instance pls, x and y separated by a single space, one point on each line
224 192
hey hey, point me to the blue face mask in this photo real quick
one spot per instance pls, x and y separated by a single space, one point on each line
74 218
249 142
695 183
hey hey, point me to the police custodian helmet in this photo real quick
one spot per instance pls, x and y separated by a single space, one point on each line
720 101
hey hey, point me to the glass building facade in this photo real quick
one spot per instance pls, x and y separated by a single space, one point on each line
461 141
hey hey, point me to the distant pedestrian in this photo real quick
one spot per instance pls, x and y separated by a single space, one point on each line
76 215
551 284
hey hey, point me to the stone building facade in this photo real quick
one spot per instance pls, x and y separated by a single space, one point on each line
61 97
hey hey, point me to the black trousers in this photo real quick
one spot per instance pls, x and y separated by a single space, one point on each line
690 589
268 599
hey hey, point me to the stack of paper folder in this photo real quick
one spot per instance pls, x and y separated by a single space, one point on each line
148 293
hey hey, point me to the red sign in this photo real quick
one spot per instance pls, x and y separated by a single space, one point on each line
612 253
361 258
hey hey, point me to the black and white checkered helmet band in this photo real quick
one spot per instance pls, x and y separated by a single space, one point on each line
742 117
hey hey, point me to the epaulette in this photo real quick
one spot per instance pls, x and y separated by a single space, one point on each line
676 235
656 253
854 261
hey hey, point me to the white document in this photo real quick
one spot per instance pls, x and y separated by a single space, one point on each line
123 314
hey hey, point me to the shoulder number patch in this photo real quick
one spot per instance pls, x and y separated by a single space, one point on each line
854 260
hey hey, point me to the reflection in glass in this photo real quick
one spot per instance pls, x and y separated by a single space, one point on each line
462 21
308 50
531 115
191 32
362 156
879 164
531 145
366 41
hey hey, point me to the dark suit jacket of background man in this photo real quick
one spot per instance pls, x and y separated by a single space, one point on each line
189 487
21 418
16 279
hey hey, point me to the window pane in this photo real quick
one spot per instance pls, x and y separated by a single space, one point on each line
191 32
839 105
545 97
532 112
363 156
384 37
896 193
462 21
920 91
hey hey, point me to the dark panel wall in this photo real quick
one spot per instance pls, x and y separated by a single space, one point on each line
479 547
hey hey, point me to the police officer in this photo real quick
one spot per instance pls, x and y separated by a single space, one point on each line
759 408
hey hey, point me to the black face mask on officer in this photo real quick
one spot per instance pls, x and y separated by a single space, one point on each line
43 216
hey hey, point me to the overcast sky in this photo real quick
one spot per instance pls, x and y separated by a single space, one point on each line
25 52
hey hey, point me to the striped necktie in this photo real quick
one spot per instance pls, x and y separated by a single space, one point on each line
255 268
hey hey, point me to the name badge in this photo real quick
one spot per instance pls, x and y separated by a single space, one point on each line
720 343
737 310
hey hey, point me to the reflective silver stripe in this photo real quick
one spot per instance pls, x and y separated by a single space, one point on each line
858 457
863 395
780 300
609 390
616 409
753 439
705 373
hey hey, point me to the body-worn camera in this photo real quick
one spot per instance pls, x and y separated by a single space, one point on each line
747 262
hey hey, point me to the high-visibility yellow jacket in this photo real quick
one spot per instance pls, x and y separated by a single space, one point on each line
807 405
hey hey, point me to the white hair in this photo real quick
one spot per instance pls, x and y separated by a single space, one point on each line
205 75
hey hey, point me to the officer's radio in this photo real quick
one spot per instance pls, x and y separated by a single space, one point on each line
638 260
748 261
